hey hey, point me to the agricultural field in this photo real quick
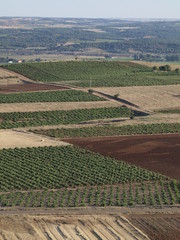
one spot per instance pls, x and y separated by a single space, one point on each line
27 119
8 77
53 96
20 139
96 73
28 87
112 130
151 194
53 106
64 149
173 65
57 167
69 226
148 97
144 151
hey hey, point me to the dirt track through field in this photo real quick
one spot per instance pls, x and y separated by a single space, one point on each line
159 153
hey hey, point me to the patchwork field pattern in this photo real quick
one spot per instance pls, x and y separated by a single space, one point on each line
98 73
159 153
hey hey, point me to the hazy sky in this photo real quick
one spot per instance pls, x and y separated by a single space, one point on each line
92 8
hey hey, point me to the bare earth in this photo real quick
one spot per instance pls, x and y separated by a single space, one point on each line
90 224
51 106
148 97
157 153
68 227
14 138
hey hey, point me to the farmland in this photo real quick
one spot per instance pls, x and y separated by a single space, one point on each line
28 87
56 167
27 119
140 129
151 194
107 74
54 96
134 149
62 148
147 97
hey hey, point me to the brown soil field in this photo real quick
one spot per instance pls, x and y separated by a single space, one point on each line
28 87
14 138
158 227
52 106
158 153
147 97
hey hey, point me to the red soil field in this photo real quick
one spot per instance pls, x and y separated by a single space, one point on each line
158 226
28 87
158 153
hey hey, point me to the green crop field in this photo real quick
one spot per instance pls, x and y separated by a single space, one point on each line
78 177
96 73
112 130
157 193
26 119
52 96
56 167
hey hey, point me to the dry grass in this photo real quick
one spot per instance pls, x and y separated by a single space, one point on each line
52 106
152 64
13 139
9 77
148 97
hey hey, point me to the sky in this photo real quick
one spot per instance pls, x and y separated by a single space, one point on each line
91 8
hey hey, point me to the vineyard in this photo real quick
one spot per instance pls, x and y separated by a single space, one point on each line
152 194
26 119
107 74
53 96
112 130
66 166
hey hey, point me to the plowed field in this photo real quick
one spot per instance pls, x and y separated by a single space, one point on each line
158 226
159 153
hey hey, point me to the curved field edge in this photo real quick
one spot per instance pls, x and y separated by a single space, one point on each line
95 131
95 73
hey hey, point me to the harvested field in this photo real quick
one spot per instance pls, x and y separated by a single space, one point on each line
8 77
89 227
28 87
52 106
13 139
158 226
158 153
173 65
147 97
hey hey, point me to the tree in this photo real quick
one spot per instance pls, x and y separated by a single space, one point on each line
177 70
